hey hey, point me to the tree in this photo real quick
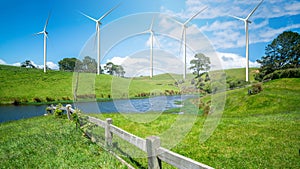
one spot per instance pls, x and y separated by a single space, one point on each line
200 64
68 64
113 69
119 71
200 67
28 64
89 65
110 68
282 53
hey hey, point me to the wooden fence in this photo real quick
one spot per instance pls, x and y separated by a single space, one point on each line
150 145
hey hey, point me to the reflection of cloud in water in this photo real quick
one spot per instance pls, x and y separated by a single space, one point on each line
138 64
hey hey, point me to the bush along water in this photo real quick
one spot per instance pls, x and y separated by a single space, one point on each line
255 89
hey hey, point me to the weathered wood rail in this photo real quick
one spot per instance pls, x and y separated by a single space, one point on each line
151 145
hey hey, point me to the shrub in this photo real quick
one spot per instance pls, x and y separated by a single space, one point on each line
49 99
58 112
16 101
286 73
37 99
66 98
256 88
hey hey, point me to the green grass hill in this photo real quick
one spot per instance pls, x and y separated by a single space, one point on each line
24 85
255 131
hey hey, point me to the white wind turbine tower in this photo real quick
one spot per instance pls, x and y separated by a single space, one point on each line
152 37
98 24
45 33
183 37
246 21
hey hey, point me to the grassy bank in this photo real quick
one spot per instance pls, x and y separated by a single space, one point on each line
256 131
48 142
22 85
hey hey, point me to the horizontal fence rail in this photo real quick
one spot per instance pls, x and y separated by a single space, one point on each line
178 160
97 121
150 145
132 139
159 153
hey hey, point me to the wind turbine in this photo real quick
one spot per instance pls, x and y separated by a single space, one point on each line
246 21
183 37
45 33
152 37
98 24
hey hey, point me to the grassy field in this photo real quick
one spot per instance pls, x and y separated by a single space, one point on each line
22 85
256 131
48 142
32 85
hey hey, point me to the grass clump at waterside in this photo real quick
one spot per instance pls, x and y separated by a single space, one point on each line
48 142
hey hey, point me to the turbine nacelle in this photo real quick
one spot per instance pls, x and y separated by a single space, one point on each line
246 21
249 15
98 24
45 33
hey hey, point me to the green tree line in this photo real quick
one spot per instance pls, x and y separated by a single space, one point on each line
89 64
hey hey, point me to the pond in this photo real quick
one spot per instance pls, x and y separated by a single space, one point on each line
157 104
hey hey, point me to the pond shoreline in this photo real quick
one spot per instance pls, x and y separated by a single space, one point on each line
132 105
83 101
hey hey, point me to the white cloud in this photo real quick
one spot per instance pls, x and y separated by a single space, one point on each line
268 34
52 65
225 32
231 60
139 63
16 64
117 60
2 62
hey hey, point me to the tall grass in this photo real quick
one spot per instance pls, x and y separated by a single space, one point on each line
48 142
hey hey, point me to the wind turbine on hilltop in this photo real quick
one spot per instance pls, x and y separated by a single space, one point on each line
45 33
246 21
152 37
98 24
183 36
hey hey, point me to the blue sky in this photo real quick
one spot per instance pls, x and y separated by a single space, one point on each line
69 30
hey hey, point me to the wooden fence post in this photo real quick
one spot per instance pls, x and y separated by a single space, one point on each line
68 106
152 144
108 133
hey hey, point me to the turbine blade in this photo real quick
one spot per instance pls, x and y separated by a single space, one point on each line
176 21
195 15
47 21
88 16
108 12
237 17
151 26
144 32
253 10
95 40
42 32
157 41
181 41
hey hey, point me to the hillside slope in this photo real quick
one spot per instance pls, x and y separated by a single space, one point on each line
255 131
22 85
